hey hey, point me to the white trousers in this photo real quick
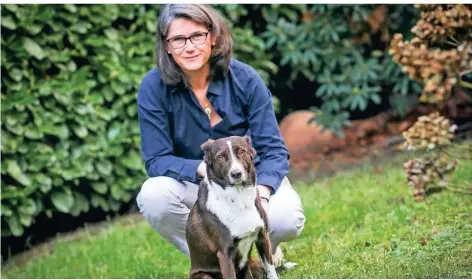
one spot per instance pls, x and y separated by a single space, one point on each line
166 203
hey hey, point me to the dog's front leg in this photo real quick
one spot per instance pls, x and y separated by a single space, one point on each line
265 251
226 265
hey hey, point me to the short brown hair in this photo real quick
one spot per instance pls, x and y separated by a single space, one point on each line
202 14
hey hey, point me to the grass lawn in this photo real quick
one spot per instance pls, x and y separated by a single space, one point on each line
361 224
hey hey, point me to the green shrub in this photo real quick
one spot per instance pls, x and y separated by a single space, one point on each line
343 51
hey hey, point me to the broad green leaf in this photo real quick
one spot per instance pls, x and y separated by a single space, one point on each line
132 161
94 41
98 200
117 192
16 129
83 109
105 114
115 150
63 201
81 131
45 14
10 7
44 182
26 219
32 132
81 27
61 131
100 188
72 66
120 171
80 77
104 167
12 193
6 210
15 225
126 197
111 33
35 29
28 207
15 171
16 74
33 48
18 98
63 98
72 173
71 8
132 110
113 133
95 98
43 148
8 22
81 204
114 205
376 98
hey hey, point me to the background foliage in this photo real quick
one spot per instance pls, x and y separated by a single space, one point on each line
440 56
343 50
70 74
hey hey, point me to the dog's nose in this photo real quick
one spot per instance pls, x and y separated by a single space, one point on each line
236 174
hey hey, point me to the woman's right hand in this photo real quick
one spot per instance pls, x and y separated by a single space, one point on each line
201 170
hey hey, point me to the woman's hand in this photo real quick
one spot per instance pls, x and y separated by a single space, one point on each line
264 194
201 170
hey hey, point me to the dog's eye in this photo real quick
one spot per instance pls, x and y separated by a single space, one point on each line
241 152
220 157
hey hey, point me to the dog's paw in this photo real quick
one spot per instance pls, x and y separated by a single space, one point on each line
270 271
271 274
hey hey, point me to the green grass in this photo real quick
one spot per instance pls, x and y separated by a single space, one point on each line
361 224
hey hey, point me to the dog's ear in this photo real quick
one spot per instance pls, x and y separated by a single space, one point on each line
252 152
206 146
206 151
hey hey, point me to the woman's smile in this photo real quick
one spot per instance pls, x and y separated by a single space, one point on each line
192 57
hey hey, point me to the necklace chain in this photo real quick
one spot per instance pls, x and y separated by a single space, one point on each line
207 109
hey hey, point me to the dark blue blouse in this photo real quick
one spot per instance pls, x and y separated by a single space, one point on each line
173 124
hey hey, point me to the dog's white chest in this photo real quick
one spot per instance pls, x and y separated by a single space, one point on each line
235 209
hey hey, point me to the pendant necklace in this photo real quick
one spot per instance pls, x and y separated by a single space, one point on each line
208 112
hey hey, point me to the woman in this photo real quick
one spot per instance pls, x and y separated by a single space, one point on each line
198 92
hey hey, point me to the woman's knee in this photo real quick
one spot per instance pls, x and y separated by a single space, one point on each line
286 216
156 197
287 224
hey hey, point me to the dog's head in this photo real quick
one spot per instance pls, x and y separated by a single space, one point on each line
230 161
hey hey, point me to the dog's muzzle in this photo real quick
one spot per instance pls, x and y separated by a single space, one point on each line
237 177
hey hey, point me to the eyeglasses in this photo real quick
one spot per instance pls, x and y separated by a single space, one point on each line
197 39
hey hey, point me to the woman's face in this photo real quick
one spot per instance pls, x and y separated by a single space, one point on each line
191 57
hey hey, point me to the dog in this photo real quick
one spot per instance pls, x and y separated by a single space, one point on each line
227 217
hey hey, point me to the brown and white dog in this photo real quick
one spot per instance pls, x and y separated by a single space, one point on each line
227 217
